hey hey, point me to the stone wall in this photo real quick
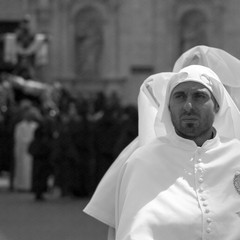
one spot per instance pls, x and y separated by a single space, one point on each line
139 37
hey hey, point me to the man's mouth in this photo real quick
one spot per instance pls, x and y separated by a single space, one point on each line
189 118
190 121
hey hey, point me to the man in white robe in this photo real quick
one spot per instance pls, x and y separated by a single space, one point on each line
152 93
186 184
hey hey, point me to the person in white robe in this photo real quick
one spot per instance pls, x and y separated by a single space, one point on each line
186 184
24 133
102 205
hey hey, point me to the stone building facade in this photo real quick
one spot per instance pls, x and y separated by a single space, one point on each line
112 45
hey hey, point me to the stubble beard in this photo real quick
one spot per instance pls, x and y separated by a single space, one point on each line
188 130
192 130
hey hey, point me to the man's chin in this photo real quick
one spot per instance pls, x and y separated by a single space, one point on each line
189 133
190 125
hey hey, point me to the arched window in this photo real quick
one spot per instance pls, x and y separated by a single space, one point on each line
88 42
193 30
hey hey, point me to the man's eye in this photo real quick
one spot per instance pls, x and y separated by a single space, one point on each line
179 96
200 96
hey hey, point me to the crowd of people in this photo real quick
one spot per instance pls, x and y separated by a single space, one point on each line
67 145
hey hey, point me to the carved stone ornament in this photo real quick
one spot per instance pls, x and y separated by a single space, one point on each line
236 181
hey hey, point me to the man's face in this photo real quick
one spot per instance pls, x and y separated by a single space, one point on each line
192 109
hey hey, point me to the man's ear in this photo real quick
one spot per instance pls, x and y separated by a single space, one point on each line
169 109
216 107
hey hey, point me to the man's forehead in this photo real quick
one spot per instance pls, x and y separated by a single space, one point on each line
190 86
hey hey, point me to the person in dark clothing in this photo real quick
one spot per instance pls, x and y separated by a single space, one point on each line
2 144
80 141
129 129
40 149
106 131
72 153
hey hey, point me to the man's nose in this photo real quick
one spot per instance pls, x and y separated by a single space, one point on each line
188 105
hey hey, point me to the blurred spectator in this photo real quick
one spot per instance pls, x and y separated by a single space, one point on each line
40 149
23 135
15 116
105 134
72 152
2 144
80 139
129 129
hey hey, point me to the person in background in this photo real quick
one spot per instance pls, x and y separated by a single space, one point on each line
129 129
23 135
78 129
106 132
40 149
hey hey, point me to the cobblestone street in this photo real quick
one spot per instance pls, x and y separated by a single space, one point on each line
21 218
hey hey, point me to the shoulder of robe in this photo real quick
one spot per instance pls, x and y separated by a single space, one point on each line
147 151
234 143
